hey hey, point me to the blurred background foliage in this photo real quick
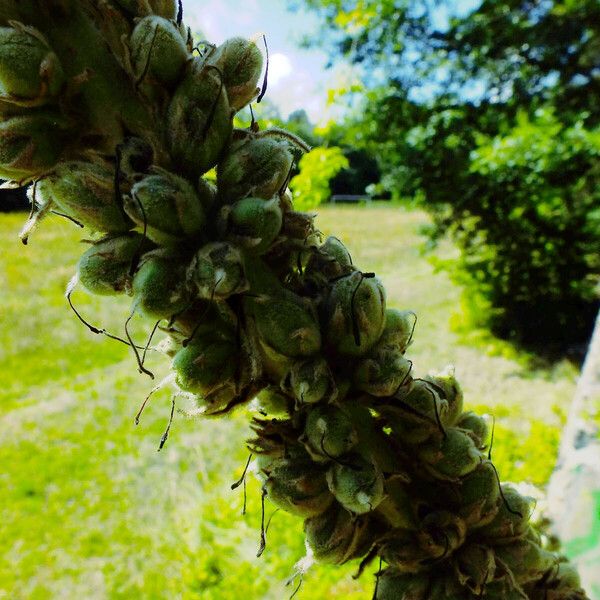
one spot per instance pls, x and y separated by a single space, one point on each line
481 122
488 114
311 186
88 507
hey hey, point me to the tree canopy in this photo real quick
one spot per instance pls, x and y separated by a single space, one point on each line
489 113
508 52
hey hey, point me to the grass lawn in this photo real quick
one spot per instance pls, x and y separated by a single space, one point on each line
88 507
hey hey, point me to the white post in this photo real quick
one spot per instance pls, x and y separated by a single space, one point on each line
574 489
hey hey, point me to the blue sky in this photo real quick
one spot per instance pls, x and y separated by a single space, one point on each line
297 77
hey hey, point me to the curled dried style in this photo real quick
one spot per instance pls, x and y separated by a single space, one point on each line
254 304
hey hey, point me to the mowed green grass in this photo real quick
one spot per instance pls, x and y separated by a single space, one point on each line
88 507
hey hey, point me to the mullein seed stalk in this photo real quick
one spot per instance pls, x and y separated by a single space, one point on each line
114 117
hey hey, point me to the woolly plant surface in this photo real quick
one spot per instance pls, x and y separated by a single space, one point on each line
118 121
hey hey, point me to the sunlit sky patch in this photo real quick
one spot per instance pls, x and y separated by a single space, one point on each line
298 78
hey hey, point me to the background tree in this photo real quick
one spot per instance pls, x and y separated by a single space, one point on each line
335 166
451 100
311 186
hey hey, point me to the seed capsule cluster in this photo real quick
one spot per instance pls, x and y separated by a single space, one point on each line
116 120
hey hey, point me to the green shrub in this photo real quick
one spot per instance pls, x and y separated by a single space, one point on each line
317 169
524 209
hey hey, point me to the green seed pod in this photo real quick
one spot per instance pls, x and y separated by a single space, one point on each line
355 314
212 364
271 401
357 484
343 388
241 63
448 388
395 585
135 157
329 432
167 207
202 317
567 577
382 373
164 8
86 192
298 487
206 364
217 270
402 552
474 566
30 145
373 440
158 52
398 506
264 462
512 518
445 586
526 560
286 325
207 192
398 330
476 425
274 363
533 534
311 381
335 536
105 267
417 413
563 583
478 496
332 260
334 248
221 398
8 109
300 226
274 442
441 533
199 120
169 345
451 458
254 166
159 285
30 72
408 427
505 589
253 223
287 199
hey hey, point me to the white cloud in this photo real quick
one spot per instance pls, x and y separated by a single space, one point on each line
280 67
296 90
297 77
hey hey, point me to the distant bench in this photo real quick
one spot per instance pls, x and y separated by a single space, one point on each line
356 198
349 198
